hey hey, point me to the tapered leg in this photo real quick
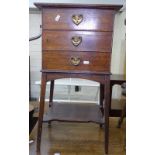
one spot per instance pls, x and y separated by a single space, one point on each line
101 96
51 97
51 93
41 110
106 112
111 86
101 100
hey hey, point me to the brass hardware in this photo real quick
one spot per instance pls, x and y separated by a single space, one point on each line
77 19
75 60
76 40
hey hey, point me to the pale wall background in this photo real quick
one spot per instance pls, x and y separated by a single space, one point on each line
118 53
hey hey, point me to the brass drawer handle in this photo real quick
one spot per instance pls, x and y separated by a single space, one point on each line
75 60
76 40
77 19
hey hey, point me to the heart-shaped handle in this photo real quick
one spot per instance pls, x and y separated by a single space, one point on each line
76 40
77 19
75 60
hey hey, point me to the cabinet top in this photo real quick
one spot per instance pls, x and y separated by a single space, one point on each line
69 5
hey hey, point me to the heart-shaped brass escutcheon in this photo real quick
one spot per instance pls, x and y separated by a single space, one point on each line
76 40
77 19
75 60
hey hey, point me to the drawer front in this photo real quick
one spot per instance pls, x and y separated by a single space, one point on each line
77 41
78 19
76 61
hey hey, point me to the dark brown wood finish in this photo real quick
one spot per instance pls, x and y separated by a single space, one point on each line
89 76
106 112
74 113
91 41
41 109
71 5
93 19
67 42
101 97
51 93
99 62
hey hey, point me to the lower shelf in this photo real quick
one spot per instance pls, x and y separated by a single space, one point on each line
76 112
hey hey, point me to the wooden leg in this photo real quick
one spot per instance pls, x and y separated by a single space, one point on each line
101 97
106 112
101 100
41 110
51 93
51 98
111 86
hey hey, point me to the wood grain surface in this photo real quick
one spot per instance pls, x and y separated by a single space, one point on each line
93 19
60 60
91 41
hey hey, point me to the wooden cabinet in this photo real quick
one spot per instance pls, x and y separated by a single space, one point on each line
76 43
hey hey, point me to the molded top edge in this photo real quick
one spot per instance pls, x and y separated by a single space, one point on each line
69 5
